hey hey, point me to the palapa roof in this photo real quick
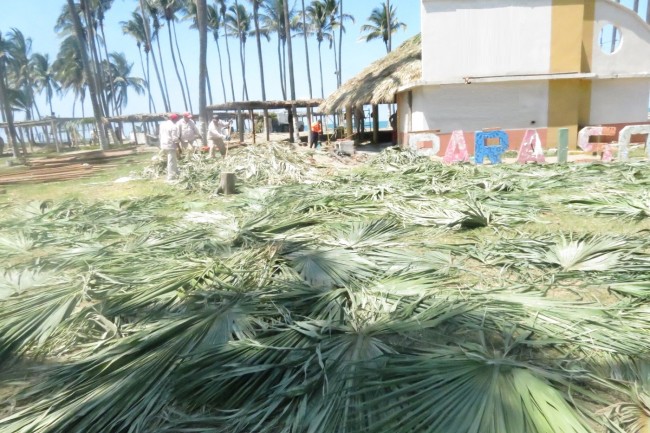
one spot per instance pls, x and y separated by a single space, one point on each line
379 82
271 105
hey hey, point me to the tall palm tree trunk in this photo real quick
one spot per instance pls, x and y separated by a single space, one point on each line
178 75
292 83
201 16
340 74
97 109
256 20
147 32
304 34
161 83
242 53
336 62
280 63
94 53
164 75
12 139
223 83
242 56
145 72
207 79
110 74
320 67
225 33
180 59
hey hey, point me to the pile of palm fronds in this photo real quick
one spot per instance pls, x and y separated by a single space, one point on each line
270 164
401 296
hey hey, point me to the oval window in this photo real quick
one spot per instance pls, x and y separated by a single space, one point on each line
609 39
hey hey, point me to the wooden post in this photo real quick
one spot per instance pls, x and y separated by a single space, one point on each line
290 120
563 145
55 137
375 123
349 131
227 186
135 133
308 127
254 125
240 126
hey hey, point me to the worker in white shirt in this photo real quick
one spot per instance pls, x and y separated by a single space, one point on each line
189 133
217 136
170 136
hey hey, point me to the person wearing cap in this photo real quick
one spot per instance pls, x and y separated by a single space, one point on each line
217 136
189 133
223 126
170 137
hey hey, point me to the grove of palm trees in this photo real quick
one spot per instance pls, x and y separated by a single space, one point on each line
88 67
382 292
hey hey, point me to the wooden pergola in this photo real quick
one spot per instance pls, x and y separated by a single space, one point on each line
250 106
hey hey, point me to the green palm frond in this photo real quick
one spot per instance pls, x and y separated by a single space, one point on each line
14 281
632 207
450 390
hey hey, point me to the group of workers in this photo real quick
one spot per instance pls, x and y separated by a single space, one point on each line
180 136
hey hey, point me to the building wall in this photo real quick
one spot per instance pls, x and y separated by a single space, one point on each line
468 38
619 101
477 106
510 38
633 56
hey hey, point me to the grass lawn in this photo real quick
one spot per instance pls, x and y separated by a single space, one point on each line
397 294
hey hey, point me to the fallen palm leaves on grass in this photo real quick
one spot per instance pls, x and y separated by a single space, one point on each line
402 295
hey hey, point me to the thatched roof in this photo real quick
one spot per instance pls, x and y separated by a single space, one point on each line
259 105
379 82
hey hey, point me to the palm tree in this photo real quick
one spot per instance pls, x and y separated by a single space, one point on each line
189 8
4 98
378 28
100 82
167 9
273 21
153 12
135 28
214 22
336 19
19 72
90 78
292 83
202 24
68 69
122 80
238 23
44 77
256 21
98 10
305 32
223 9
320 25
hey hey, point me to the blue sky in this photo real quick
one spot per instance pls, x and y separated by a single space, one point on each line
36 19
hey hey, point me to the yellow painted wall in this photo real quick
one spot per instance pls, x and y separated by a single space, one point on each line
566 35
565 98
571 52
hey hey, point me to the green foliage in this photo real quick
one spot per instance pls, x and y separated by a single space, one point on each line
402 295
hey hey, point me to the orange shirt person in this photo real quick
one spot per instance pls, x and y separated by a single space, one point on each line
316 130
